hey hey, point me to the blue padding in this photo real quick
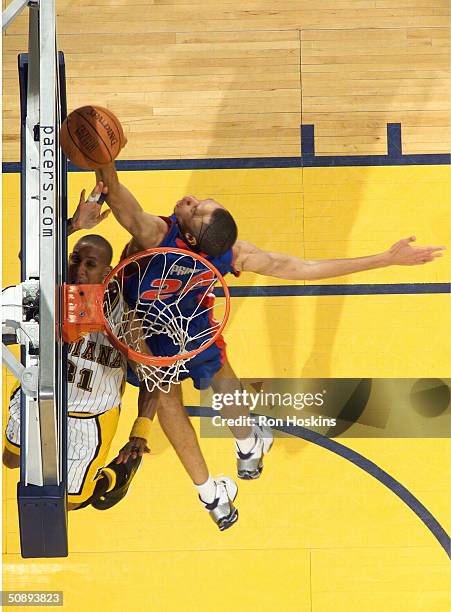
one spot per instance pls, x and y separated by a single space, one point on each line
42 520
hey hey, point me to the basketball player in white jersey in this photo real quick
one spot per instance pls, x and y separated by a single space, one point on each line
96 380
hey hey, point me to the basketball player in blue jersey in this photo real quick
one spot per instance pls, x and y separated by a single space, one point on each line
205 226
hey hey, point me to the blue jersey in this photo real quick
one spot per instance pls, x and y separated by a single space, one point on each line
173 278
174 285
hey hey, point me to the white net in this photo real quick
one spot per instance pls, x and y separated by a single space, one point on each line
161 306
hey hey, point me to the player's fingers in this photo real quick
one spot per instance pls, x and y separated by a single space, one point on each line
122 456
93 198
82 196
96 192
406 241
421 251
105 214
433 249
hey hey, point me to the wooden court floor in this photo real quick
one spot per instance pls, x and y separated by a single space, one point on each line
205 81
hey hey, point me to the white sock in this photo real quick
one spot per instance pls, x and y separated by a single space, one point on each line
246 444
207 491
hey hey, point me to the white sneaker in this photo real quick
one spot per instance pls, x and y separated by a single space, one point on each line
221 509
250 465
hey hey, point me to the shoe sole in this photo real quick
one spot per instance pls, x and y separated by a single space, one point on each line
228 521
250 474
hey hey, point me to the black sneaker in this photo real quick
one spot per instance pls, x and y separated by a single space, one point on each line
124 475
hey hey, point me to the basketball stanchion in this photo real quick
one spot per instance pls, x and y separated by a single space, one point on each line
32 315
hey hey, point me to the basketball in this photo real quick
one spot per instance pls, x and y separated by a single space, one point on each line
91 136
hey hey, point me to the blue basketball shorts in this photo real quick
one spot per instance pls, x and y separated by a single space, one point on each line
201 368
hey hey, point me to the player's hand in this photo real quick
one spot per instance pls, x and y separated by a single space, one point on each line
402 253
135 447
88 213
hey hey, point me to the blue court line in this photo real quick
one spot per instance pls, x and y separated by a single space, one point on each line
253 163
394 155
355 289
308 158
366 465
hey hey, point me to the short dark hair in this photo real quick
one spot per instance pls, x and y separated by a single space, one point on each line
219 235
101 243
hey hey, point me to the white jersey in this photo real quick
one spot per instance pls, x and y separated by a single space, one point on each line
95 375
95 370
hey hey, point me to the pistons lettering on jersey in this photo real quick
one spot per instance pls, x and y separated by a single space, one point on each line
167 287
102 354
181 270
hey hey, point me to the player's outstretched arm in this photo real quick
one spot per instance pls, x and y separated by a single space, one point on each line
147 230
250 258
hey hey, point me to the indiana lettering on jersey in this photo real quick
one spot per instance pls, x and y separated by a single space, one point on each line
97 353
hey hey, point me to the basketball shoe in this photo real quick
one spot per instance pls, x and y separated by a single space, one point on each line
250 465
221 509
124 475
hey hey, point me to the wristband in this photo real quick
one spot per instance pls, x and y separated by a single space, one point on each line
141 428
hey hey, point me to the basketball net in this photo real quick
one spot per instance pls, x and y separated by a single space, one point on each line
156 307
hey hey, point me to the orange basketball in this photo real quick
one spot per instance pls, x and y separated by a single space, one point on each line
91 136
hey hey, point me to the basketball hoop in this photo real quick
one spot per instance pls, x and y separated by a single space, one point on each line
156 307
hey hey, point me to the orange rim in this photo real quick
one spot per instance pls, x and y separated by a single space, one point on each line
151 359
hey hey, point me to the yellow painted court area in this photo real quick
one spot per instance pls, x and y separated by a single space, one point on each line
316 532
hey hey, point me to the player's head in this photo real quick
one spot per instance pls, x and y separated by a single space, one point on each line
89 262
206 225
